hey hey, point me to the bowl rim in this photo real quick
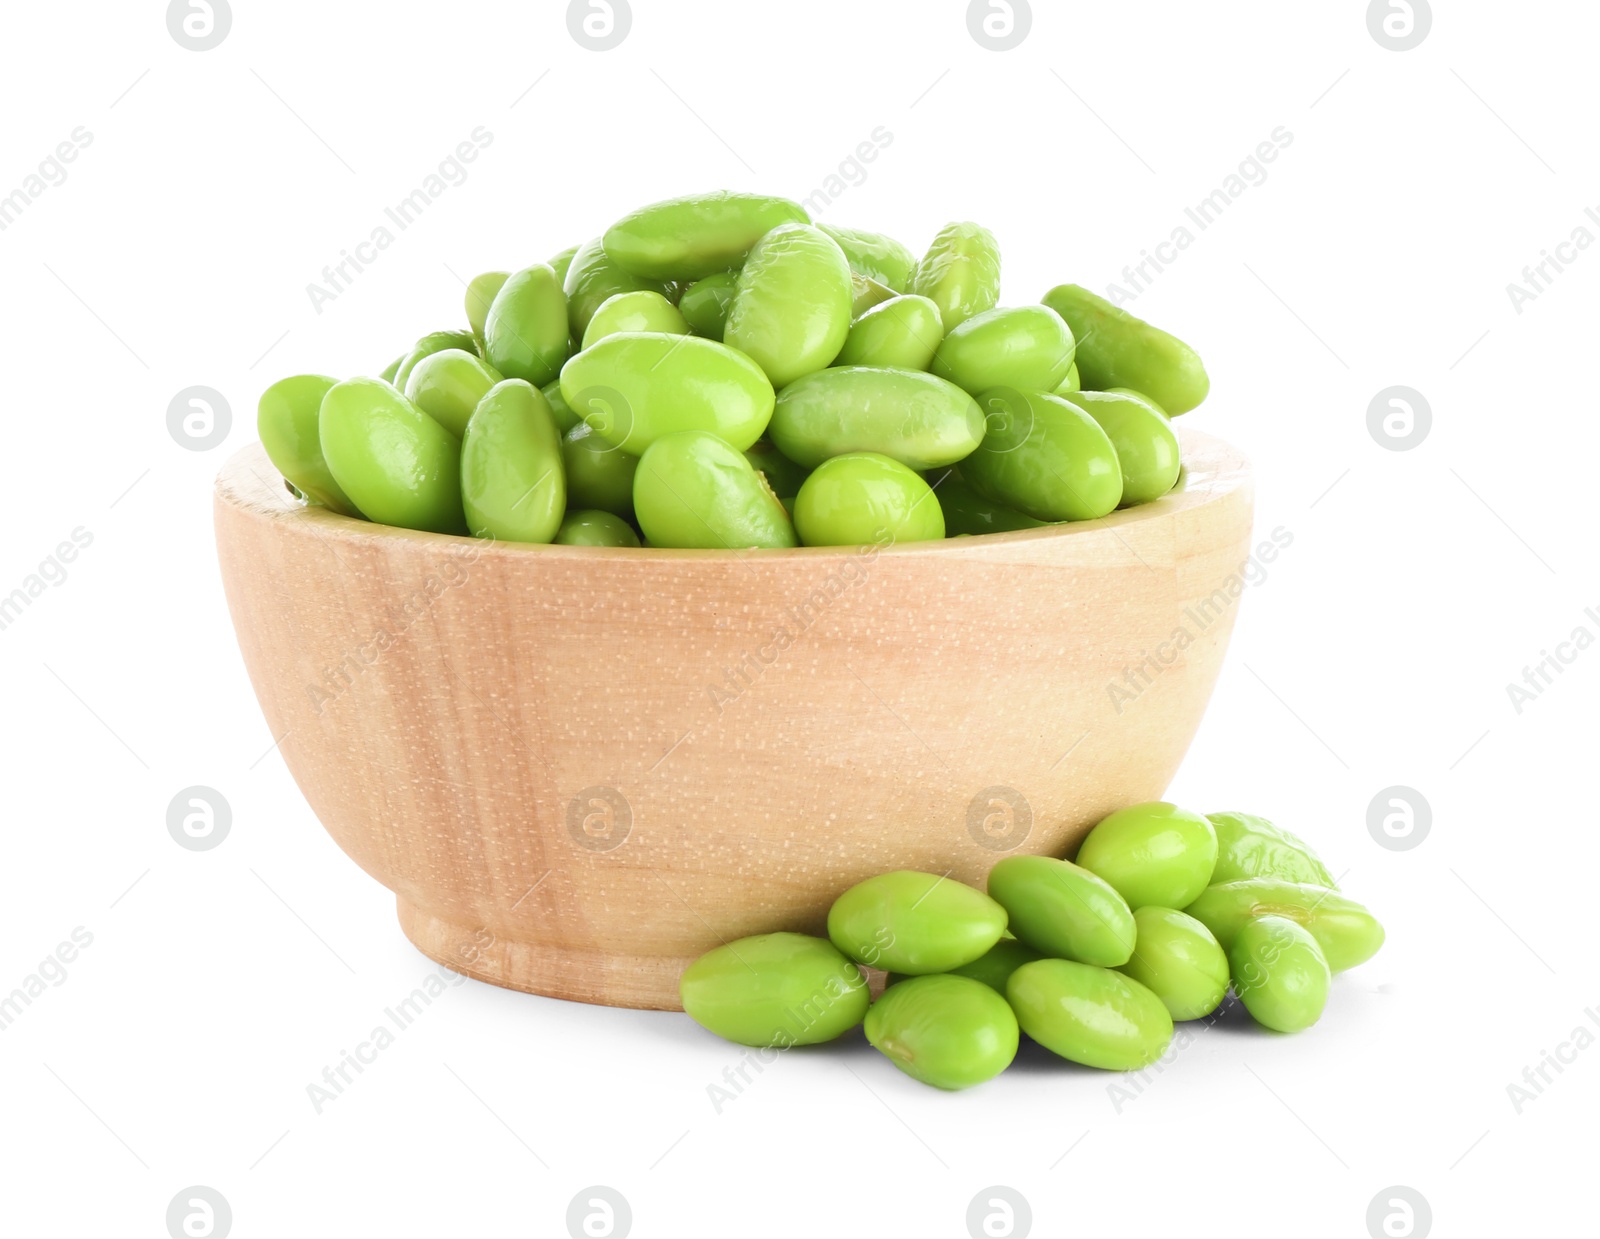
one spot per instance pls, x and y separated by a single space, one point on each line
1212 469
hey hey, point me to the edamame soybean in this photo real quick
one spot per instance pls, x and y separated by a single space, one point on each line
559 263
1347 933
791 310
635 387
1063 910
592 528
1279 973
1176 958
598 475
902 333
1027 346
780 989
525 335
1252 847
872 254
592 278
698 235
513 486
695 490
1116 349
433 342
916 418
1147 449
566 419
636 311
1044 456
946 1031
995 966
863 497
481 292
960 273
705 303
398 465
447 386
1152 853
1090 1015
914 923
287 419
968 512
1072 382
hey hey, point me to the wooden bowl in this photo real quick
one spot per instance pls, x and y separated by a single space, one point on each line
580 768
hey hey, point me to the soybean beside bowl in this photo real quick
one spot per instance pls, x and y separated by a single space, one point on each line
580 768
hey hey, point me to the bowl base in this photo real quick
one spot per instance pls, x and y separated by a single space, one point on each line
645 982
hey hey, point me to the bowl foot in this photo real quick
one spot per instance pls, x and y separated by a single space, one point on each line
647 982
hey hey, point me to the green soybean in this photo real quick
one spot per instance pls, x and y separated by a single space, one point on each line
968 512
902 333
960 273
447 386
592 278
393 368
779 989
1073 382
791 310
635 311
695 490
1116 349
995 966
566 419
1176 958
481 292
1090 1015
782 474
287 419
917 418
560 263
512 483
1027 346
636 387
914 923
872 254
433 342
398 465
1044 457
1063 910
1147 449
946 1031
698 235
1252 847
1280 974
864 498
592 528
705 303
525 336
598 475
1152 853
1347 933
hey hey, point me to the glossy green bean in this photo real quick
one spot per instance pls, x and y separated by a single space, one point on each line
1347 933
1045 457
791 310
960 273
946 1031
780 989
695 490
1063 910
287 419
914 923
525 336
398 465
1152 853
902 333
863 498
513 486
1116 349
698 235
1279 973
916 418
1090 1015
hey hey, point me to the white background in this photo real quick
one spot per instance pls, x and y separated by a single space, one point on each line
1377 252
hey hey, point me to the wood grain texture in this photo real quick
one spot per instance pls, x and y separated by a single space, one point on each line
579 768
